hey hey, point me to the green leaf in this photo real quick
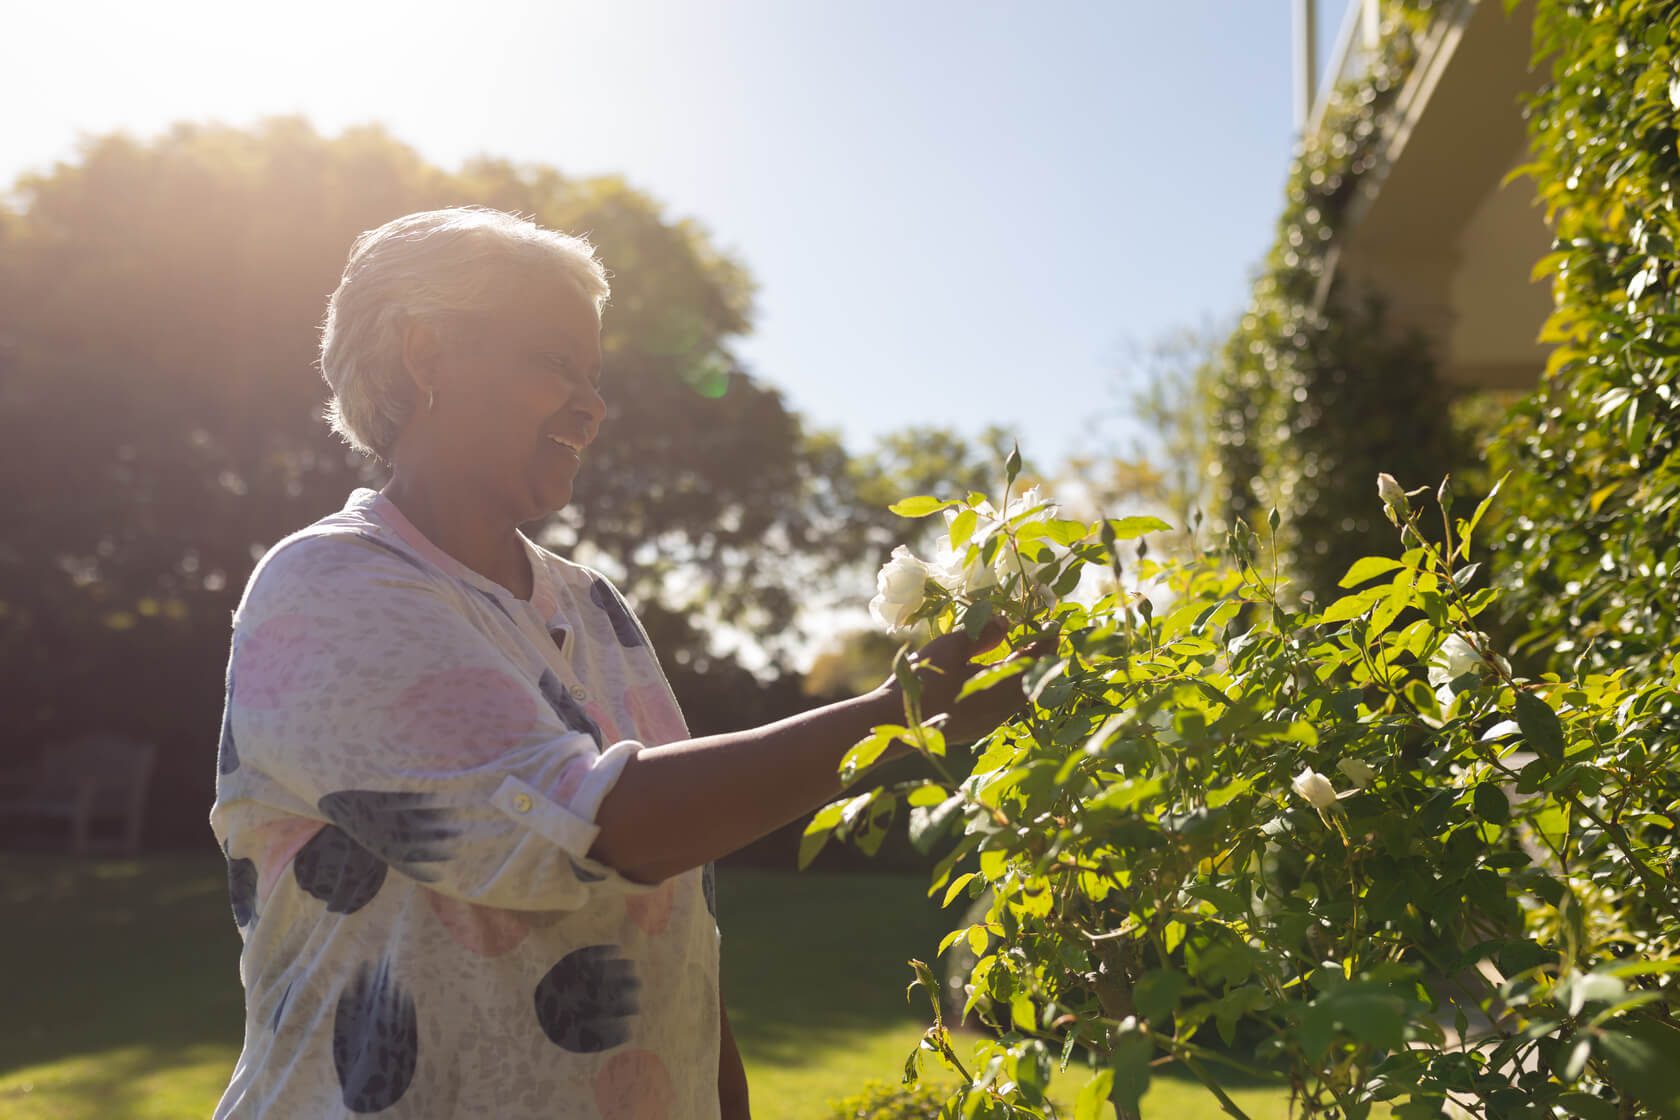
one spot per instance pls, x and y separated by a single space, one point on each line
1587 1107
962 527
865 751
1388 608
1042 672
818 831
952 891
883 806
1157 992
928 824
1572 1059
1482 508
1130 1063
927 738
1644 1058
1094 1096
1503 729
1368 567
1347 608
919 506
928 793
930 988
1491 804
1540 727
988 677
1064 531
1067 581
1130 528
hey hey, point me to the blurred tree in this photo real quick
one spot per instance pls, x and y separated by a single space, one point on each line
853 662
159 414
1150 450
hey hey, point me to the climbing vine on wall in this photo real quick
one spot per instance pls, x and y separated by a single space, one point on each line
1316 395
1591 565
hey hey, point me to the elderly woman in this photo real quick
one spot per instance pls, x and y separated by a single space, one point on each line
468 835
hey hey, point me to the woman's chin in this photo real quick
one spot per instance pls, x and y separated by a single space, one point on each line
553 496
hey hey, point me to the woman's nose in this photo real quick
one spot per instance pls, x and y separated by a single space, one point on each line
591 401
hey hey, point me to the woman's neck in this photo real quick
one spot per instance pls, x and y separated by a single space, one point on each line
463 526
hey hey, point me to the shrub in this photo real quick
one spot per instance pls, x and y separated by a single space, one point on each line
1351 833
880 1101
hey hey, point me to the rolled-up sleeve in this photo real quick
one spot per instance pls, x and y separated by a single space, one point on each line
366 691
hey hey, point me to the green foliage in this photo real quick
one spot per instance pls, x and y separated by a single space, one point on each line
879 1101
1350 837
1591 563
1316 393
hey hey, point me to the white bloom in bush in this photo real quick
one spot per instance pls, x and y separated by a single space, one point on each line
961 571
1030 500
900 590
1393 496
1455 658
1357 772
1315 789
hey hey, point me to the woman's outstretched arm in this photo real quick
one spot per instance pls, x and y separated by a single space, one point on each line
681 805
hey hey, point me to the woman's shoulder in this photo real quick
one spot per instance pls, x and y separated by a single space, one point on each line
576 578
342 553
583 584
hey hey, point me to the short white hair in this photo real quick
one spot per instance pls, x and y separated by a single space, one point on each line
424 268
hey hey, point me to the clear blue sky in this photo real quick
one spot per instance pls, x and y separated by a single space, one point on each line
956 212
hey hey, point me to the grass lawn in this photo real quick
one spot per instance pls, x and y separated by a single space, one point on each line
122 994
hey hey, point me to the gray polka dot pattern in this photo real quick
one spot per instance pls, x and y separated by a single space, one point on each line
338 871
401 828
624 627
584 1002
242 890
376 1040
569 711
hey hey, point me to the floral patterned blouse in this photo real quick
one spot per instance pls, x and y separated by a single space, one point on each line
411 761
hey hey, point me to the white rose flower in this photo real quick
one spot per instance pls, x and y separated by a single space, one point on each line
1357 772
900 590
1315 789
1455 658
959 573
1030 500
1393 498
1004 563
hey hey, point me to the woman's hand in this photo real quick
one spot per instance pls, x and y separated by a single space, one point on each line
944 665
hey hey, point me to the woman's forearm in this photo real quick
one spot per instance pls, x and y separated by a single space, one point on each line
681 805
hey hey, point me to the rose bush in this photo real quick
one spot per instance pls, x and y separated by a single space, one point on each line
1484 914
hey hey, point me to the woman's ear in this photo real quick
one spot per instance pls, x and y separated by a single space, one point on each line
421 351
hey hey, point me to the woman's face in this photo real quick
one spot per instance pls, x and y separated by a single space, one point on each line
519 395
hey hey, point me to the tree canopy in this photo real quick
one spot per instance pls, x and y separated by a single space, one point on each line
160 414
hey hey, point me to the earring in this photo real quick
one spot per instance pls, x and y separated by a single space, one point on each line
431 397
